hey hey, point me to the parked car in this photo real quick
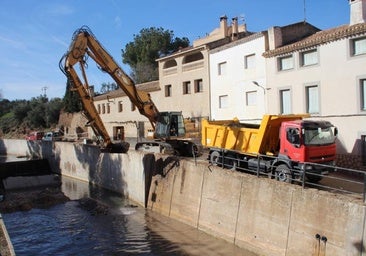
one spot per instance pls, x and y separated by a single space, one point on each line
52 136
35 135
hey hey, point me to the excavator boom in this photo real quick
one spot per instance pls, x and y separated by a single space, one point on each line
168 126
85 44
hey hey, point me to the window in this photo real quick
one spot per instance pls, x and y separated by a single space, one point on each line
108 108
98 108
187 87
363 94
222 69
103 108
120 106
285 63
223 101
285 101
251 98
358 46
293 136
312 99
249 61
309 58
168 90
198 85
133 107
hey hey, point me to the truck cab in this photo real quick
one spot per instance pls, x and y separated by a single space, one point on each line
308 141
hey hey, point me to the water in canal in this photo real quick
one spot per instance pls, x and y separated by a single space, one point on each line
68 229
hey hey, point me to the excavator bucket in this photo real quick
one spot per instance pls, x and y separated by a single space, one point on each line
116 148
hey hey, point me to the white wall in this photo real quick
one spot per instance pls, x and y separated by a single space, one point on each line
238 80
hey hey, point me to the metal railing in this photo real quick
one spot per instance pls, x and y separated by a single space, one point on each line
337 180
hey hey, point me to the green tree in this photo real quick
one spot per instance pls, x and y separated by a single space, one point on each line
107 87
53 109
8 122
71 100
5 106
149 45
36 116
20 109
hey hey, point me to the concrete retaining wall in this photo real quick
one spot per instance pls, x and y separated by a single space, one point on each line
260 214
123 173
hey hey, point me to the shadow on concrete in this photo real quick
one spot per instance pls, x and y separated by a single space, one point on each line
359 246
104 169
164 166
154 167
3 150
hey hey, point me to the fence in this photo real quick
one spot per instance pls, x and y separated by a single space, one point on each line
334 179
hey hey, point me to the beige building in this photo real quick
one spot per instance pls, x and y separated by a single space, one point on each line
183 85
324 75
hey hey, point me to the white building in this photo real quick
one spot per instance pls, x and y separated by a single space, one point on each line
324 75
238 77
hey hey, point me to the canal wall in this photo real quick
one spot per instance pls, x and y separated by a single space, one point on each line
259 214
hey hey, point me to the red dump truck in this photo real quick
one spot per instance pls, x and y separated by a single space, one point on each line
286 147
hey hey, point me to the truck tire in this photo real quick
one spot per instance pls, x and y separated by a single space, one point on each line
283 173
215 158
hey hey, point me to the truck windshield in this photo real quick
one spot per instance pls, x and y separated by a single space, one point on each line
319 136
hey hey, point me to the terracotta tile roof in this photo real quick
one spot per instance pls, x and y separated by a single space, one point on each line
319 38
147 87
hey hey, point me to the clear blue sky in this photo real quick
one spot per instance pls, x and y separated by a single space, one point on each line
35 34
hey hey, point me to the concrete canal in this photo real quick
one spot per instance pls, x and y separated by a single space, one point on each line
259 214
117 227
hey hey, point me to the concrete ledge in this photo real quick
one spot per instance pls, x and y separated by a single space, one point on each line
6 247
21 182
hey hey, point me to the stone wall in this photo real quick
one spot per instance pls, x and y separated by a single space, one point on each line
350 161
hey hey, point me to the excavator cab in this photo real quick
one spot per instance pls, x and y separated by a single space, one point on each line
169 125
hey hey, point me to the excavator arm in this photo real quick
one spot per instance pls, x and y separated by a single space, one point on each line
83 45
169 126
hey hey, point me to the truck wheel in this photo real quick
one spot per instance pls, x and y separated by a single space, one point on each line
215 158
283 173
231 164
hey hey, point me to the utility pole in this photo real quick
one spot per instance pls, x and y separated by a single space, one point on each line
44 91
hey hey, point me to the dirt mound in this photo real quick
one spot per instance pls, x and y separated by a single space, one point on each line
25 200
93 206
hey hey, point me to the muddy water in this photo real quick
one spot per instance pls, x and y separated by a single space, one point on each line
69 229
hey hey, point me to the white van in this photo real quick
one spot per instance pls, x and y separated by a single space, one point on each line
52 136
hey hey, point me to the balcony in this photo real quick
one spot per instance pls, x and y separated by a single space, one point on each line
193 65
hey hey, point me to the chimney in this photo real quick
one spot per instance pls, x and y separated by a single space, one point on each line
357 11
234 29
274 37
223 26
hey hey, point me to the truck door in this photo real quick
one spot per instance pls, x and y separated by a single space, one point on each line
291 145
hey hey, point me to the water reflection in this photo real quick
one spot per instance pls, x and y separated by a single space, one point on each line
68 229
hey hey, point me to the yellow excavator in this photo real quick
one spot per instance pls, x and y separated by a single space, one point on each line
169 129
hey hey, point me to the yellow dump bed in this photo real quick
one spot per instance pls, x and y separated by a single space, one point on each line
243 137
